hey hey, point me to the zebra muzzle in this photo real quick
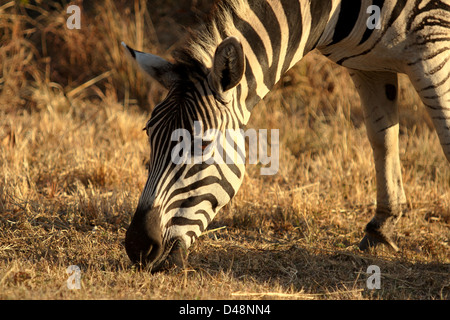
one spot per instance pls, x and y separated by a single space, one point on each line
142 250
173 256
143 240
145 246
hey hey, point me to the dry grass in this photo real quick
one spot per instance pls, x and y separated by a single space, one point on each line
72 166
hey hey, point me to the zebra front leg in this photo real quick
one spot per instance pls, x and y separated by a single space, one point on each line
378 92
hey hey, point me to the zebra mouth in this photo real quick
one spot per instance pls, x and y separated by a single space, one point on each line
174 255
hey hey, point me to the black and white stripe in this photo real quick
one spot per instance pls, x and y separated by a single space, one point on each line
232 62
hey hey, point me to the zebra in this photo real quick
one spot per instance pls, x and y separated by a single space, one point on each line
233 60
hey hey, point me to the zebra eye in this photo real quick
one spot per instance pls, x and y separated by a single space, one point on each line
148 128
206 144
148 131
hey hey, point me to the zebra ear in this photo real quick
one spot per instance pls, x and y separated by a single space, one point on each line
158 68
228 65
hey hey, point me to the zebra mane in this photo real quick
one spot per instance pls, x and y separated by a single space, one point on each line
198 51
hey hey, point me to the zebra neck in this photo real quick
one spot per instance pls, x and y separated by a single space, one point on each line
275 35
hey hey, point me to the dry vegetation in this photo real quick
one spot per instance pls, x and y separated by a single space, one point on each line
73 156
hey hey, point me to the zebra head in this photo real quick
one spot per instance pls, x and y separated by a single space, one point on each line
183 193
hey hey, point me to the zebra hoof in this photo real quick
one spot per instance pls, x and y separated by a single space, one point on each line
371 240
379 231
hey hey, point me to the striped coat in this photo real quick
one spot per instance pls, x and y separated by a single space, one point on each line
232 61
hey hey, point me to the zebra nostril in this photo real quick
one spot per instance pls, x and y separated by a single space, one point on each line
143 240
141 248
153 253
140 257
175 257
143 252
